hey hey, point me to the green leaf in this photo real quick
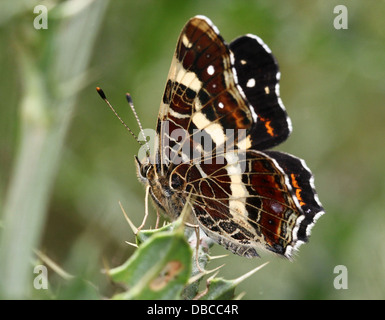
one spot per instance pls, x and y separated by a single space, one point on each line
159 269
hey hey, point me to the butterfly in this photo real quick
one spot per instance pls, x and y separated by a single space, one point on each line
220 115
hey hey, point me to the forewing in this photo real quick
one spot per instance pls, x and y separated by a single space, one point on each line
202 97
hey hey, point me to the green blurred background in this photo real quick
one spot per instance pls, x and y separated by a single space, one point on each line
65 160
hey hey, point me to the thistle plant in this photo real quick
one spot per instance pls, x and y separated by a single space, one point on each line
168 264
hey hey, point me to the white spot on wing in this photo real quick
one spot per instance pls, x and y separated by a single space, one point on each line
250 83
210 70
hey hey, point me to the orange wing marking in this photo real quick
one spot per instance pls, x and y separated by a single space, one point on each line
297 189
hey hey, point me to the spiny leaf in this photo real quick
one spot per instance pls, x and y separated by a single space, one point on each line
159 269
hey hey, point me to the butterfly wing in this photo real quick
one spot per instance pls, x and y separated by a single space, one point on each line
253 200
258 75
201 95
242 198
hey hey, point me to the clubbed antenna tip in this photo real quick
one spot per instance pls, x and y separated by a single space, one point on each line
129 98
101 93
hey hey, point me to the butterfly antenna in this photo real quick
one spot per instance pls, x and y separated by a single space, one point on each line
131 103
103 96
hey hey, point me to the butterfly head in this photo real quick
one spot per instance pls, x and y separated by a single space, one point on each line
166 190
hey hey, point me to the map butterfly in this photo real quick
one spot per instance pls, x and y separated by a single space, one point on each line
220 115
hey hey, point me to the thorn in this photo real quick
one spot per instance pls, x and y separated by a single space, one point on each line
54 266
132 244
196 278
132 226
240 296
200 295
216 270
213 276
248 274
218 257
213 270
204 273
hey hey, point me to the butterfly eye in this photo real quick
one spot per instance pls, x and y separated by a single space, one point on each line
144 169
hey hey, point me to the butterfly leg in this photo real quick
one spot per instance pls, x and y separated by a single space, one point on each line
197 235
145 210
157 218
